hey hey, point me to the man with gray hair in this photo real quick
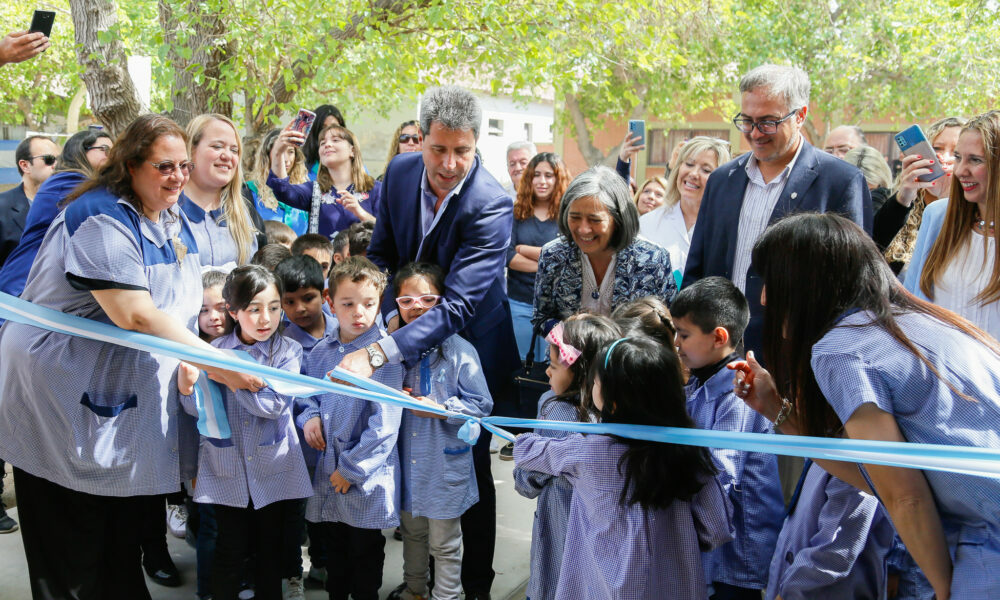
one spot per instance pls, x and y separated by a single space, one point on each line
442 206
519 154
843 139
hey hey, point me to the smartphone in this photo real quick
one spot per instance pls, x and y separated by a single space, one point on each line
913 141
637 127
42 22
303 121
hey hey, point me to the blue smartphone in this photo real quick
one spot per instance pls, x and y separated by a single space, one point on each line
913 141
637 127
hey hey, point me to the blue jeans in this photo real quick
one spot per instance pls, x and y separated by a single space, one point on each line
521 313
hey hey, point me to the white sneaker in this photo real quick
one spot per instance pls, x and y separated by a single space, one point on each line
246 594
295 589
177 517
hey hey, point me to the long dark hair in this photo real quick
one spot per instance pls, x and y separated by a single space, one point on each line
74 153
815 268
311 148
588 333
641 382
242 285
524 203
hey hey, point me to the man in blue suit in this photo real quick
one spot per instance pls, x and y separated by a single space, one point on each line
443 207
782 174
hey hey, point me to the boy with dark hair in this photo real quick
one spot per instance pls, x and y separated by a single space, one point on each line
359 235
341 246
711 316
316 246
269 256
279 233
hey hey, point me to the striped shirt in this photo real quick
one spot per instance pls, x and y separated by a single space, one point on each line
360 442
438 479
625 552
759 201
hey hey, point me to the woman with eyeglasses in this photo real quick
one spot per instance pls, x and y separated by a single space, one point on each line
343 193
84 154
90 426
223 222
672 224
407 138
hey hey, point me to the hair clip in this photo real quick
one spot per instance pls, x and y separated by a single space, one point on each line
567 353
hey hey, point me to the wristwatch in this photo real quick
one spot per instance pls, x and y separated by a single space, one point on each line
375 357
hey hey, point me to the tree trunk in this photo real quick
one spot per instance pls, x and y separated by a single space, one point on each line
192 94
113 98
24 105
584 139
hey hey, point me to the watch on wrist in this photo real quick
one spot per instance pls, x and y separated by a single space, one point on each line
375 357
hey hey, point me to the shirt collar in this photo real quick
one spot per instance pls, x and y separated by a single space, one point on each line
753 171
169 225
428 192
196 214
373 334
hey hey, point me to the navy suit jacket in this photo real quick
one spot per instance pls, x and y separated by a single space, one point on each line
818 182
469 242
14 207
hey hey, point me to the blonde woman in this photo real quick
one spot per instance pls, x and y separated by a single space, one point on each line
671 225
651 194
343 193
954 260
877 173
407 138
267 205
896 223
221 219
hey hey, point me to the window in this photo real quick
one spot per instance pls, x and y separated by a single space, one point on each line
528 132
662 142
496 127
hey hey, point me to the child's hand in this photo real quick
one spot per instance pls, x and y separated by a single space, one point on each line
187 377
755 386
340 485
313 432
431 403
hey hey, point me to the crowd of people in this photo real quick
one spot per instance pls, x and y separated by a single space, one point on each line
784 290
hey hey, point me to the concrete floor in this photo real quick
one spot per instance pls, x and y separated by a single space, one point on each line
514 520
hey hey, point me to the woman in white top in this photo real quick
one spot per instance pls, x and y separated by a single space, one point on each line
671 224
954 263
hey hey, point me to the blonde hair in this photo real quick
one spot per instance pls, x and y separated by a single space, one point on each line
900 249
694 146
234 208
363 182
872 164
657 179
262 168
961 215
394 143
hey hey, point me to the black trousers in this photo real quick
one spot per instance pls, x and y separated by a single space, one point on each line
725 591
240 532
79 546
354 561
479 524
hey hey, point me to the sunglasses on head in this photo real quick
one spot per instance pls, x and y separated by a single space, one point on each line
167 167
425 301
48 159
409 139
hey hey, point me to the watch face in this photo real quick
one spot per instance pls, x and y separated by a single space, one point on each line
375 357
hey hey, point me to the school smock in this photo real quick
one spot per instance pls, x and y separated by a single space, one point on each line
857 362
616 552
360 442
437 477
332 216
833 545
217 246
92 416
297 219
307 341
750 480
548 533
262 460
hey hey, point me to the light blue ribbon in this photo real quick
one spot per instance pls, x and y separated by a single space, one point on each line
983 462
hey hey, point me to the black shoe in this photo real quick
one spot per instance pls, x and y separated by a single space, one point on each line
397 534
7 523
506 453
478 595
165 574
396 593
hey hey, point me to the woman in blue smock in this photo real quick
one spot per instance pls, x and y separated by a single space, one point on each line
853 354
84 153
91 427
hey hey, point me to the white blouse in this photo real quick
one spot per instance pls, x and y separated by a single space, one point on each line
967 275
666 228
594 298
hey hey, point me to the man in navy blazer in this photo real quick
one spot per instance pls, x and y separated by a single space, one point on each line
781 175
443 207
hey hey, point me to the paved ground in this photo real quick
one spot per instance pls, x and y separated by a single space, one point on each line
514 520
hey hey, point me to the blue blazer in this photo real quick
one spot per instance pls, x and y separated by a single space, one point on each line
469 242
14 207
819 182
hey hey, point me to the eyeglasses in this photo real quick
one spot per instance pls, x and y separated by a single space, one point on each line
425 301
48 159
409 139
167 167
767 127
105 149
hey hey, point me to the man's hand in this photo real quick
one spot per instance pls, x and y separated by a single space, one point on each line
358 362
424 413
21 45
340 485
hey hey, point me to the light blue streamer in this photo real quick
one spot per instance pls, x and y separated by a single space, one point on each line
983 462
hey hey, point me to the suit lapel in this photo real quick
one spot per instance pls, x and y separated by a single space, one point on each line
19 212
799 180
732 203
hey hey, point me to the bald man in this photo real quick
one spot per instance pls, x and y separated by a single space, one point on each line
843 139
